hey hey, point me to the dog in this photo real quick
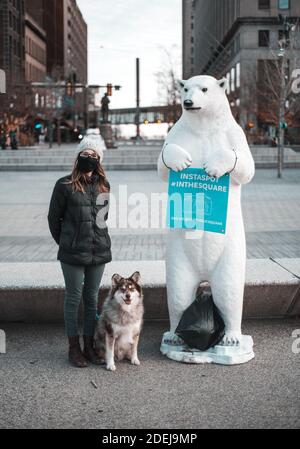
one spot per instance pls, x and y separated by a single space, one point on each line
118 330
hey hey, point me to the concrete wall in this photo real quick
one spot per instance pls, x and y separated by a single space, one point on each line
34 292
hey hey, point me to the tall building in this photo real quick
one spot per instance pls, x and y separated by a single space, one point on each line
12 41
66 34
35 51
188 38
75 43
238 39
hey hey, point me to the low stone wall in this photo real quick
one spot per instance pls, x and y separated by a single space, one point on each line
34 292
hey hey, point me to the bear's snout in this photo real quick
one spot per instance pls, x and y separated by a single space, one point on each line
188 103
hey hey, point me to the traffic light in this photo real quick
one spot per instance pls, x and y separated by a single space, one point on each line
146 122
109 90
283 125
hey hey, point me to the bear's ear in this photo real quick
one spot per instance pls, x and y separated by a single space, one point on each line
181 83
223 83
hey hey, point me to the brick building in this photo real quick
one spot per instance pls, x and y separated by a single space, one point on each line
238 39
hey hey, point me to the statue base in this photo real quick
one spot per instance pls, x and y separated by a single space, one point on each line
220 354
107 134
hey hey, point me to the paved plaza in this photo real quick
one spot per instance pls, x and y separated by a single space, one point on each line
39 389
271 212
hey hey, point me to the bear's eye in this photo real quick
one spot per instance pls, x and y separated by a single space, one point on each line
204 89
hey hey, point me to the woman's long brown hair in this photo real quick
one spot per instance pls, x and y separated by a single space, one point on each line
79 180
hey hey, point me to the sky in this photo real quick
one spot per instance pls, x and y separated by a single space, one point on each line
119 31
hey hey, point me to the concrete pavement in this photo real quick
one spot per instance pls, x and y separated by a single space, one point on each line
39 389
271 212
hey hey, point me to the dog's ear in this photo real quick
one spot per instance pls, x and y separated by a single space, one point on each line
136 277
116 279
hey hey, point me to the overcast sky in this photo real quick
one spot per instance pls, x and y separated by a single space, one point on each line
127 29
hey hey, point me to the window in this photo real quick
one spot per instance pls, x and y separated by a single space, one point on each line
228 82
263 4
238 74
263 38
284 4
232 87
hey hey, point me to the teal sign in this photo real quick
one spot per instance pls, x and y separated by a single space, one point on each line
197 201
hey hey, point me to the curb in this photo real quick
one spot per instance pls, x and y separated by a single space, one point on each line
34 292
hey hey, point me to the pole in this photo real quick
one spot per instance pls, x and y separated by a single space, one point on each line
138 134
281 119
86 107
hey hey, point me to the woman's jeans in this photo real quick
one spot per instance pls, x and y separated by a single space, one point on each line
81 281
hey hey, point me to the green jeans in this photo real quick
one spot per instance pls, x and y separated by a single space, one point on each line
81 282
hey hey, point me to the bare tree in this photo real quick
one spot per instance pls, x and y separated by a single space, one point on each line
276 100
167 76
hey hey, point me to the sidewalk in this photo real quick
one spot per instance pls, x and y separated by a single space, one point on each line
40 390
271 212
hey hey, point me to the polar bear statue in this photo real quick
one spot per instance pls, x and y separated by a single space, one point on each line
207 136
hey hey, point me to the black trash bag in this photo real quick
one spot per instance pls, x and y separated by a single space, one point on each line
201 326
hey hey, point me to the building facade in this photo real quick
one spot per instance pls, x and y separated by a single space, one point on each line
12 48
75 43
238 39
188 16
35 51
66 37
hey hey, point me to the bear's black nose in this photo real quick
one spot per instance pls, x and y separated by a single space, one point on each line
188 103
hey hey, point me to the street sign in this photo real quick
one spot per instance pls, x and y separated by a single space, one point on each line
197 201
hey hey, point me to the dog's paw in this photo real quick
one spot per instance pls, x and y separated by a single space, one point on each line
111 367
231 339
135 362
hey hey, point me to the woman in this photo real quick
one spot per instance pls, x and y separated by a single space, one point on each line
77 221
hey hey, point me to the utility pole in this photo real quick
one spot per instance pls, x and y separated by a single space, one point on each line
86 107
281 124
138 133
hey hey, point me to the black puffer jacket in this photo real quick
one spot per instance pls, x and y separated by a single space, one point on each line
73 221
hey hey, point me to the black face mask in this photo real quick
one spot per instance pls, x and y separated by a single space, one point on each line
87 164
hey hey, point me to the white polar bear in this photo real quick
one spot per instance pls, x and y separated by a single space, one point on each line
207 136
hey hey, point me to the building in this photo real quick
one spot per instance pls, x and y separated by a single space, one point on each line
35 51
66 35
75 43
12 49
241 39
188 38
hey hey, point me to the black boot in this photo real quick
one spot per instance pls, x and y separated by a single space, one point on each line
76 356
89 351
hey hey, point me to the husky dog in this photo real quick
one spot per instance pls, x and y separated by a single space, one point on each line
118 330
